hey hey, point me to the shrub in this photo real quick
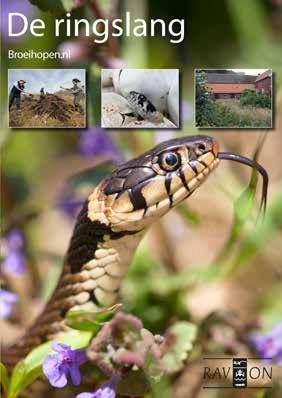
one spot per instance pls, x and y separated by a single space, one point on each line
252 98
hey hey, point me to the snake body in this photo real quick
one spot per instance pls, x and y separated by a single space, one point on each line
111 224
141 106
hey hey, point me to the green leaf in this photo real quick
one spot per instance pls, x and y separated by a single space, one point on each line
189 215
162 388
263 233
54 6
85 325
80 185
183 334
271 303
105 6
4 378
134 383
167 283
243 206
16 380
91 176
21 378
90 321
27 370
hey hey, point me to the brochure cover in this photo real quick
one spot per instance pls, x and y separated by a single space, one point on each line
141 192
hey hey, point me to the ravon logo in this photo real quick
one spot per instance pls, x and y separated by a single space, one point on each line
236 373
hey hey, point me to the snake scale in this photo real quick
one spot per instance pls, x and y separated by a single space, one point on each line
112 222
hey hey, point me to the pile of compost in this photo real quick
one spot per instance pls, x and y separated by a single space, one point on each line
53 106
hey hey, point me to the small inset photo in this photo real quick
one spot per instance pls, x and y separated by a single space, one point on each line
47 98
140 98
233 98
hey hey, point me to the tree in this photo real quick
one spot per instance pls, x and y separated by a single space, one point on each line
205 104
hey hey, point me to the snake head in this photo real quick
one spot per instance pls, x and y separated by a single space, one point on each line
147 187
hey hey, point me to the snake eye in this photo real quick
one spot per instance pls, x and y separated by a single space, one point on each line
170 161
201 146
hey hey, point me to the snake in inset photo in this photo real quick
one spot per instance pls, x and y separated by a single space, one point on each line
113 220
140 98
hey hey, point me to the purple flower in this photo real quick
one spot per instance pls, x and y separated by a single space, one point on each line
77 48
14 261
19 6
116 63
163 135
107 390
93 141
70 205
67 361
96 141
79 3
269 345
15 239
7 300
82 50
186 111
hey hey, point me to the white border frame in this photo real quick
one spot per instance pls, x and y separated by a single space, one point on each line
141 127
48 128
236 127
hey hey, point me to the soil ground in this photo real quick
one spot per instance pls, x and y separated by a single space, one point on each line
51 111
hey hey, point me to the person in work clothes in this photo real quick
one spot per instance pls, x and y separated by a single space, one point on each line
78 94
15 94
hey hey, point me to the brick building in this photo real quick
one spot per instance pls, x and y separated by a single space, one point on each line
263 82
230 85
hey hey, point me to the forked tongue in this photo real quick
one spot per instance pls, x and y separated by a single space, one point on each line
254 165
